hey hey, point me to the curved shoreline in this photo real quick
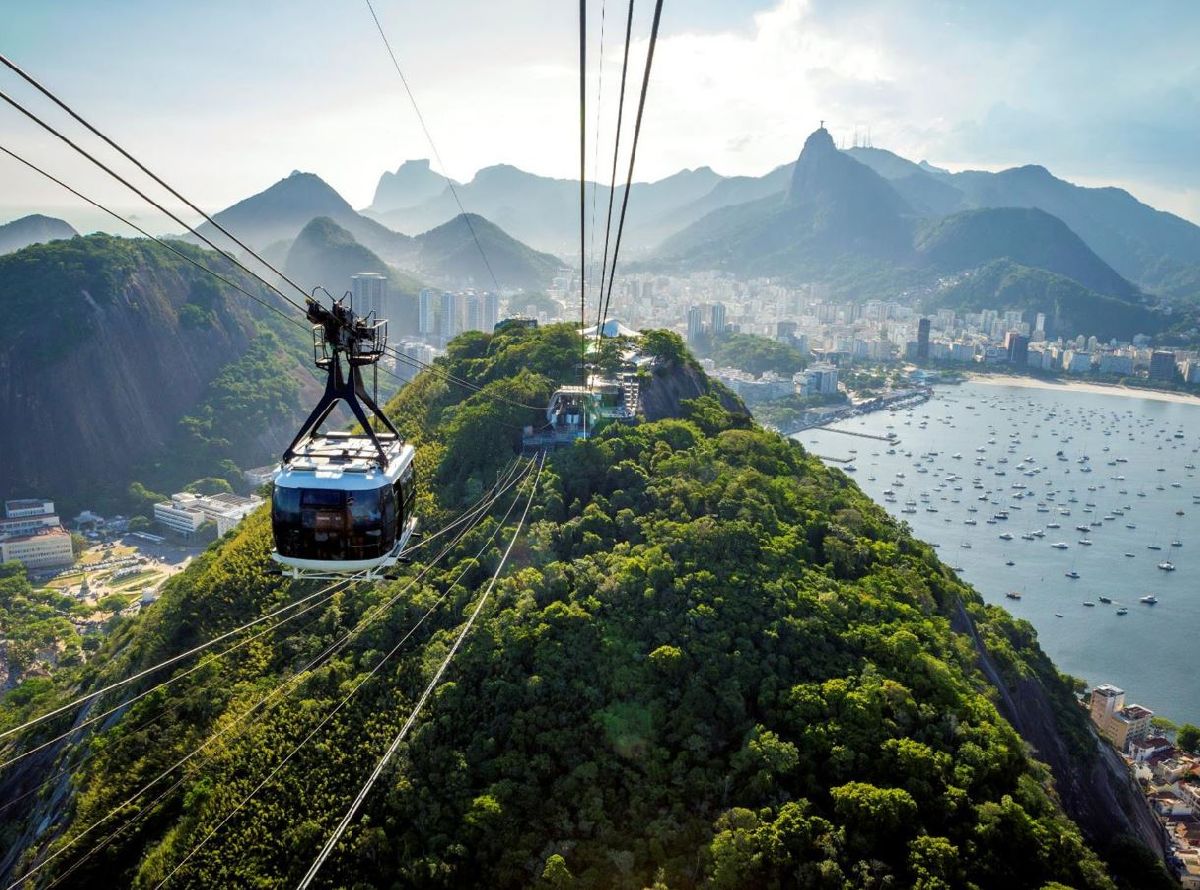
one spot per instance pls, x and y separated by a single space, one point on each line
1111 389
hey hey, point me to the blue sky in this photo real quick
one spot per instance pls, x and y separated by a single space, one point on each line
226 97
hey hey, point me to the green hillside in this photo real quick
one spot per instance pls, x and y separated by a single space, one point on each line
326 254
124 362
1024 235
1070 308
450 252
712 662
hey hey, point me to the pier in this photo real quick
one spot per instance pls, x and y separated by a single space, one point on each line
893 401
891 440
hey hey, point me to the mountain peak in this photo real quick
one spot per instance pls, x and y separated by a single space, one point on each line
840 186
1031 171
413 182
416 165
33 229
818 140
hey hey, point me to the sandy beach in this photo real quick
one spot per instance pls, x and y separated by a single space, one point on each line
1080 386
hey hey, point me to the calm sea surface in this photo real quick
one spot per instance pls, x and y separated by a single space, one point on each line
1122 467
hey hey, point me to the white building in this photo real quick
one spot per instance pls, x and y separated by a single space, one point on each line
20 507
451 315
186 512
25 522
27 525
962 352
490 311
1115 363
1077 361
46 548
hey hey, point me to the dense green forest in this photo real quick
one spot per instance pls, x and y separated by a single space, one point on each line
36 622
253 394
711 662
755 354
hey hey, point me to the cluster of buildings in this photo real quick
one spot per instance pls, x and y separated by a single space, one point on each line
185 512
443 315
702 305
1169 777
32 534
1118 722
993 337
818 379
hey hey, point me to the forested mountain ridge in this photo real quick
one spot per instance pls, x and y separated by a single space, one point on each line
109 361
451 254
712 662
1023 235
325 254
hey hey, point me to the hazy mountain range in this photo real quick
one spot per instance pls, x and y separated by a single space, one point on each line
864 222
1158 251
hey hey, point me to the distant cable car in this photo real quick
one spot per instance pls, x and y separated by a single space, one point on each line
343 503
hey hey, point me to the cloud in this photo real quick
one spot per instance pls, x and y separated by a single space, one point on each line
1096 91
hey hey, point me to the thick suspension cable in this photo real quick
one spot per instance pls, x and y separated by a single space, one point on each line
345 700
596 142
637 130
433 683
432 146
71 111
582 189
509 470
612 184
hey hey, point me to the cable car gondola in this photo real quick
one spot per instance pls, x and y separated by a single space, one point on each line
343 503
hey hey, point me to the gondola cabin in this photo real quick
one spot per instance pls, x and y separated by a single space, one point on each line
336 511
343 504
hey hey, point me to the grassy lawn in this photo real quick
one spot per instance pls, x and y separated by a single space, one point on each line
140 580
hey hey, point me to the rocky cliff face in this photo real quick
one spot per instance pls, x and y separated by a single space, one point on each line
672 383
112 342
1093 783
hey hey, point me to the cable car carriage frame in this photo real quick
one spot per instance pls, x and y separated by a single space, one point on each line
343 503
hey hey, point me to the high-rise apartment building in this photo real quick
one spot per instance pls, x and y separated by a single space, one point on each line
490 311
368 290
718 319
695 324
451 319
923 339
472 312
426 313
